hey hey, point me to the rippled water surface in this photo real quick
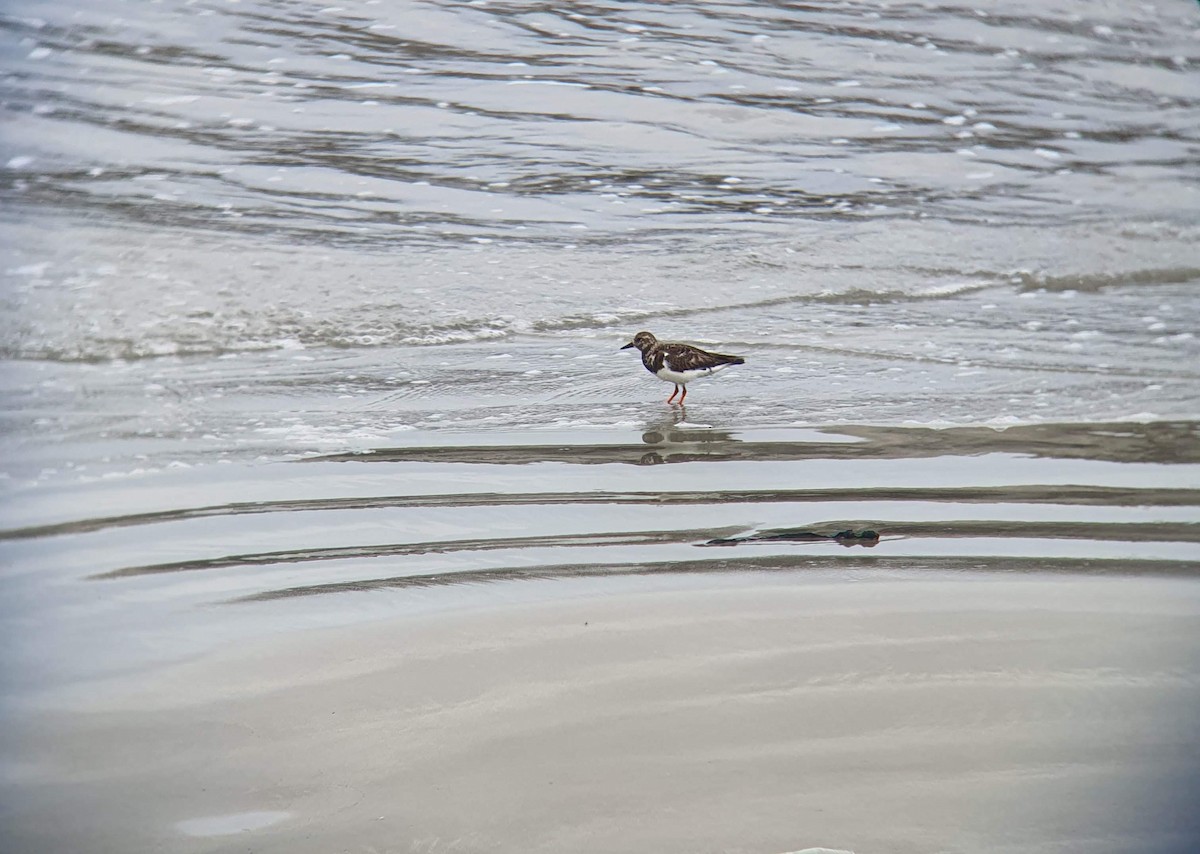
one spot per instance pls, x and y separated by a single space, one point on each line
203 178
309 318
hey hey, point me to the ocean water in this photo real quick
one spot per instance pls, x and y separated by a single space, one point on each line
310 317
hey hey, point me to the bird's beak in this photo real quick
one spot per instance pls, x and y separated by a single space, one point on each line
627 346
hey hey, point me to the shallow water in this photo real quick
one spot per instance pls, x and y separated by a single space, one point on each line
309 320
222 177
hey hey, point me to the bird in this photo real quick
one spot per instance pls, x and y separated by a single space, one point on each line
677 363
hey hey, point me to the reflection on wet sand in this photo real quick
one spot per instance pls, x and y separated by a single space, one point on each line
1163 441
786 564
1069 494
830 532
509 532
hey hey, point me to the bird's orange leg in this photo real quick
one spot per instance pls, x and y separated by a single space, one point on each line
672 397
682 396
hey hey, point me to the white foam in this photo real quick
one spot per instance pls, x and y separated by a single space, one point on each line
548 83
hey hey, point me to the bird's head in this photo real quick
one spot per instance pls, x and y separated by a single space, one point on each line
643 341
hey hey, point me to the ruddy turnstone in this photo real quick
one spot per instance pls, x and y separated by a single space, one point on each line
679 363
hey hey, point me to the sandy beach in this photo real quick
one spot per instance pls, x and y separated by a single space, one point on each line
870 711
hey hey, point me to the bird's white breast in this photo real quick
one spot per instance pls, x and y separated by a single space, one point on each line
684 377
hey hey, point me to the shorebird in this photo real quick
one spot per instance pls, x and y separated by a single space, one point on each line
679 363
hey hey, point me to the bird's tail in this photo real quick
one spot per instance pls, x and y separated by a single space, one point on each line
730 360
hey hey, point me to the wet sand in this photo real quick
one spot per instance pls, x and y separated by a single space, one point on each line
613 640
643 639
756 712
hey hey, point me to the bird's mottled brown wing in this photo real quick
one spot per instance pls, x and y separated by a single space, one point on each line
685 357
